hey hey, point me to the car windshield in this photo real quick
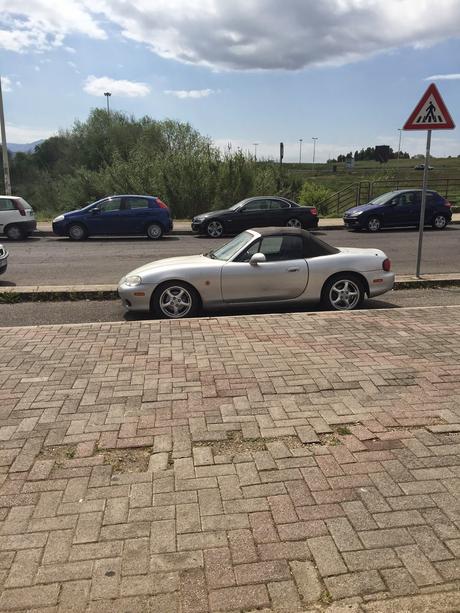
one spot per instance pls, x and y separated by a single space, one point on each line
237 205
383 198
227 251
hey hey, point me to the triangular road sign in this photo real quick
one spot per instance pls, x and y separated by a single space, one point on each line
430 113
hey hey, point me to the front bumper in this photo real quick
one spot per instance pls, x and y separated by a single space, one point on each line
135 298
198 226
352 222
3 260
60 228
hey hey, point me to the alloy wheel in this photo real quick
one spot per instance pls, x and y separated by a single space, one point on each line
76 232
439 222
215 229
294 223
344 295
14 233
374 224
154 231
175 302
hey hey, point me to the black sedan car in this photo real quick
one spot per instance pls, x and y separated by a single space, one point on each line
257 212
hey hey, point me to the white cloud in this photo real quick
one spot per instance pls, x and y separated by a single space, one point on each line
7 85
25 134
190 93
444 77
39 25
290 35
96 86
241 34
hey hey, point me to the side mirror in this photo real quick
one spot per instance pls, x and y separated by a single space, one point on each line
257 258
95 211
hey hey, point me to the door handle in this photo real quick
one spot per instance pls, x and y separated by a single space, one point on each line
293 269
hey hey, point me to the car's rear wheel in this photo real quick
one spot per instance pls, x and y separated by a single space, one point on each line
343 293
154 231
77 232
14 232
374 224
175 300
215 229
294 223
439 222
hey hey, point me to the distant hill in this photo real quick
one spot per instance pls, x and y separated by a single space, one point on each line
23 147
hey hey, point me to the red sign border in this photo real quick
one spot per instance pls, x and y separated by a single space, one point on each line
432 90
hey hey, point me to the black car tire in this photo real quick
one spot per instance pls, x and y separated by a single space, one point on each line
215 228
343 289
77 232
439 222
154 231
175 296
294 223
374 224
14 232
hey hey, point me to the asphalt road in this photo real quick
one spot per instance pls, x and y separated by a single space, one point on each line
41 313
59 261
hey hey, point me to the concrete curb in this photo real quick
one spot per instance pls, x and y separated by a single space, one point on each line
56 293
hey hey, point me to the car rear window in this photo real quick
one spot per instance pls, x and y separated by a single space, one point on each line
24 203
136 203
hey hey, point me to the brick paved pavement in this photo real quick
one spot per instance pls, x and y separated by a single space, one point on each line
277 462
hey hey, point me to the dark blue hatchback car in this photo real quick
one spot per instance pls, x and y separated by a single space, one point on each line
397 209
116 215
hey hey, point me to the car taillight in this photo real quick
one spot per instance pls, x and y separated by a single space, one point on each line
447 204
20 207
314 211
161 204
386 265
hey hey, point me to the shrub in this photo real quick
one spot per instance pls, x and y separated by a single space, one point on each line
313 194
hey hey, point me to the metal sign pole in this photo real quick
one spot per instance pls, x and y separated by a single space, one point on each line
423 203
6 169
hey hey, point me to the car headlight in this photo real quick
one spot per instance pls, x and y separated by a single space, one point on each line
355 214
58 218
133 280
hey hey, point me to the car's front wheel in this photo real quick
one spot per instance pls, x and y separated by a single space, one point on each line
439 222
154 231
77 232
374 224
14 233
294 223
215 229
343 293
175 300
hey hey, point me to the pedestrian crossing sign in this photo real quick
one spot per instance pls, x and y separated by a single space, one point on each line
430 113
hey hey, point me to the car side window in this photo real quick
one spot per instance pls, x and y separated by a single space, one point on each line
257 205
136 203
278 248
111 205
276 205
6 205
247 255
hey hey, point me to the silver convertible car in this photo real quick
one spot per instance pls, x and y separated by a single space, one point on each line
259 266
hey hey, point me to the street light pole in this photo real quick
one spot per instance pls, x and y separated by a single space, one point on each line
255 150
300 150
6 168
314 139
107 95
397 159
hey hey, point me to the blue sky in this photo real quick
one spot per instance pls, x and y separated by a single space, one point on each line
343 73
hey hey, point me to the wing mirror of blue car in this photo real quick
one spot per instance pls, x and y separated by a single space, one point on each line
257 258
95 211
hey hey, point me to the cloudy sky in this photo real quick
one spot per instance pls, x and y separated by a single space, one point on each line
242 71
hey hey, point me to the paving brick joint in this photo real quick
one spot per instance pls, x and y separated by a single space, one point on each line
289 462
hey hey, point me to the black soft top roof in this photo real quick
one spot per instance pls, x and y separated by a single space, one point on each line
313 246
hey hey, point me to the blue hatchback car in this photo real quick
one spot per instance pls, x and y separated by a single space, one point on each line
397 209
116 215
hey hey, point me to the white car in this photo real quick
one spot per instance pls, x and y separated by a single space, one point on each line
3 259
259 266
17 218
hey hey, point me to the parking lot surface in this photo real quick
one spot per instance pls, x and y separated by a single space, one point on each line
59 261
234 463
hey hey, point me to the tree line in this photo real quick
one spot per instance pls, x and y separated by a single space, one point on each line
116 153
369 154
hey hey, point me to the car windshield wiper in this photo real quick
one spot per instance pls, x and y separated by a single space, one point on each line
211 255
